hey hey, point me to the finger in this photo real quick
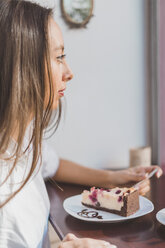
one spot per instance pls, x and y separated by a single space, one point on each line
68 244
142 187
144 184
159 173
105 244
69 237
108 245
153 167
96 243
144 190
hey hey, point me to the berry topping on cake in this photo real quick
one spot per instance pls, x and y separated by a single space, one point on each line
93 196
120 198
118 191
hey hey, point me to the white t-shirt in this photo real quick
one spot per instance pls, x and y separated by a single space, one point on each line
24 219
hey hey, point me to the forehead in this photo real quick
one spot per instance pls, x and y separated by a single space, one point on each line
55 35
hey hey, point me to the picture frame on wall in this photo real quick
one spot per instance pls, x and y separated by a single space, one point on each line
77 13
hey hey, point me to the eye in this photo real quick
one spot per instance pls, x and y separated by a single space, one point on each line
60 58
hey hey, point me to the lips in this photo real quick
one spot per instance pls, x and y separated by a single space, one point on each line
61 92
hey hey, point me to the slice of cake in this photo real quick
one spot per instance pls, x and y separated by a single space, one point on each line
121 201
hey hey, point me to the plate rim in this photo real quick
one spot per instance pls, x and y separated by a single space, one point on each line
131 217
157 216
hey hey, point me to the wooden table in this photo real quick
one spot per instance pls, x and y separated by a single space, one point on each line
142 232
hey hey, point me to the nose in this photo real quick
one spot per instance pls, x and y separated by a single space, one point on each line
67 74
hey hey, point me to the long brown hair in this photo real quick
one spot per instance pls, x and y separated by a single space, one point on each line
25 78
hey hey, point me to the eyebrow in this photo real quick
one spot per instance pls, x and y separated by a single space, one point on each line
60 48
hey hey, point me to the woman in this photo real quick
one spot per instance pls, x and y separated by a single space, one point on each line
33 76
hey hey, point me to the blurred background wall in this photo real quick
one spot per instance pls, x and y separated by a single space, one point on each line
105 107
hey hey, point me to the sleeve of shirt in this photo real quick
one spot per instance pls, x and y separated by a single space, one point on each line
50 161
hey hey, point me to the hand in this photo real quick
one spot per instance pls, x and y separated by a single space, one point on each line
71 241
133 175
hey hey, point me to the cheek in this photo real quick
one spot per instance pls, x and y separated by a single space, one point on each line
57 79
56 76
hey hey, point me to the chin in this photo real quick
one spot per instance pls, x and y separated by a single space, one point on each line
55 105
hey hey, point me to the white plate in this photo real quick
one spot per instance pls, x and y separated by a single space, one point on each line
73 206
161 216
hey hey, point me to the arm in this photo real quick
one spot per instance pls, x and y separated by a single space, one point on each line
70 172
